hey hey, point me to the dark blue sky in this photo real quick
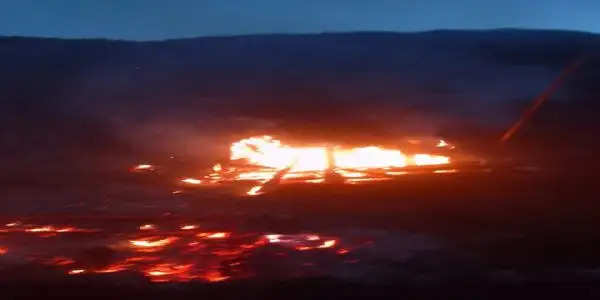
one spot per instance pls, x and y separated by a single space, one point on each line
161 19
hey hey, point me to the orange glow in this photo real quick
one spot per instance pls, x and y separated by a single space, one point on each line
215 276
442 144
214 235
303 248
13 224
427 159
342 251
369 157
191 181
225 252
217 168
58 261
3 250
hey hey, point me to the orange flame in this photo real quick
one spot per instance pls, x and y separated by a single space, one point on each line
268 152
369 157
427 159
255 190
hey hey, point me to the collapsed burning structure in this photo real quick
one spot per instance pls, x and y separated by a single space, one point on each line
267 162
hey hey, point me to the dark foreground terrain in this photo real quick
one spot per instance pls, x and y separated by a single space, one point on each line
492 235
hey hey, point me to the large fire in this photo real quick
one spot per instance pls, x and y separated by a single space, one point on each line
264 159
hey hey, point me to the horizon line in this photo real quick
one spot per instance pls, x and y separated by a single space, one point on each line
301 34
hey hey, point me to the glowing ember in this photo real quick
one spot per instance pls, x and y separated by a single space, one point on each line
255 190
147 227
207 256
217 168
273 238
215 276
58 261
13 224
53 230
41 229
450 171
442 144
327 244
214 235
113 269
342 251
191 181
66 229
313 237
396 173
142 167
152 242
363 180
76 271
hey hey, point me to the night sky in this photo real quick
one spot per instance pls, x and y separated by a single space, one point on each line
160 19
